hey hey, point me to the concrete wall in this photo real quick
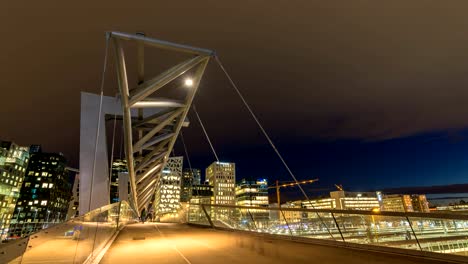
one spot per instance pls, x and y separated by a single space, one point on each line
88 125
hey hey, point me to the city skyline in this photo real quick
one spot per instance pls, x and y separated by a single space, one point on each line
234 132
359 86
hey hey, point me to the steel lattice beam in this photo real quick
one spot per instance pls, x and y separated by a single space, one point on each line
156 133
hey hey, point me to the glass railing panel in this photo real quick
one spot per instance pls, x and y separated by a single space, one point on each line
389 229
225 217
196 215
11 250
441 235
127 215
76 240
377 229
260 220
316 225
106 223
61 236
86 232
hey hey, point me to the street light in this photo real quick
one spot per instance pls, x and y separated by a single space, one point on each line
188 82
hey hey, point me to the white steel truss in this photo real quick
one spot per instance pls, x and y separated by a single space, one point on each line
155 134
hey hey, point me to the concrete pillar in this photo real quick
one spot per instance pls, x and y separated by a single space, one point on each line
123 186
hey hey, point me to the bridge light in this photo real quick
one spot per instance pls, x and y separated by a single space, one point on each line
188 82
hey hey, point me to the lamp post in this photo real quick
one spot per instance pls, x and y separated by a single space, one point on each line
47 219
34 221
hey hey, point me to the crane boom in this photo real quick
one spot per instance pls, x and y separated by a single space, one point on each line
293 183
278 186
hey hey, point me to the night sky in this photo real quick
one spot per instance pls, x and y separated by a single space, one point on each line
366 94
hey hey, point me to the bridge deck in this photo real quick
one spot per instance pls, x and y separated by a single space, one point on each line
177 243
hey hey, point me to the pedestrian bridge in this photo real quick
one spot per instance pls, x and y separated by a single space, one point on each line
236 234
210 233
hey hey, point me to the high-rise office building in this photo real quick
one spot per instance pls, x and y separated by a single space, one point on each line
45 194
366 201
167 196
420 203
118 166
201 194
13 163
35 149
73 210
190 177
222 175
405 203
397 203
323 203
253 194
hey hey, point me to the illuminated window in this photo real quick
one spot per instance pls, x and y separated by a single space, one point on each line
30 203
36 201
44 202
51 185
44 185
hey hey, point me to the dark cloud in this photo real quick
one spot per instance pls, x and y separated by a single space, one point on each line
320 69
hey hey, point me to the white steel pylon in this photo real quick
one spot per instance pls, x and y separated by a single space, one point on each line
149 139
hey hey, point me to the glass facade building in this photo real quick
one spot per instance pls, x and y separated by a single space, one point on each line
167 196
190 177
73 208
254 194
222 176
45 194
13 163
118 166
420 203
201 194
366 201
397 203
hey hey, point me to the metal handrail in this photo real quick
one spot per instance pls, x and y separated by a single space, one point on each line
452 216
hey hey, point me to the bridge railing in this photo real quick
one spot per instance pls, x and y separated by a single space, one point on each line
78 240
426 232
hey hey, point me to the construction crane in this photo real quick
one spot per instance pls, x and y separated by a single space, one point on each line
339 187
288 184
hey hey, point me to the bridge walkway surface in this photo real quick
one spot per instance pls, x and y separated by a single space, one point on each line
179 243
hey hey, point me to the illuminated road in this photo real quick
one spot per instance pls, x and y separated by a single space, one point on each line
176 243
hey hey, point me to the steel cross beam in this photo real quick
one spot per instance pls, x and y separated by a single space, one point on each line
156 133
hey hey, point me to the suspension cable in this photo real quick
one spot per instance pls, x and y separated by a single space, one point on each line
97 133
103 77
186 152
260 125
121 142
204 131
267 137
112 153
